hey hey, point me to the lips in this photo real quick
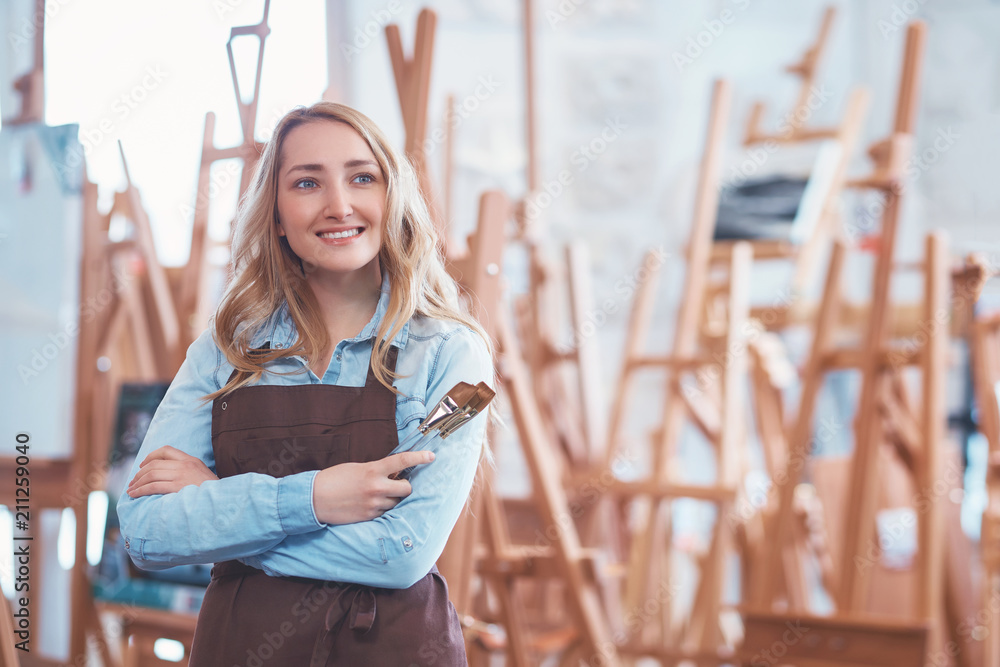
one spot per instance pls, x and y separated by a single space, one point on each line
346 233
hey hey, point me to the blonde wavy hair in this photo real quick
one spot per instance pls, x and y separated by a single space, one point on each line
267 274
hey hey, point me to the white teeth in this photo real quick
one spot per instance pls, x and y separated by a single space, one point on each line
340 235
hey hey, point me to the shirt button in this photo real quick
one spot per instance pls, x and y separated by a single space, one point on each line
279 345
126 543
407 543
338 357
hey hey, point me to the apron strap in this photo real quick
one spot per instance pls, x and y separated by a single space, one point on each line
390 361
265 346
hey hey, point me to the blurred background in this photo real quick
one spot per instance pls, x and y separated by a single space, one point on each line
621 103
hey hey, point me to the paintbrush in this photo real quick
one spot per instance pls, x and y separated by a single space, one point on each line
442 411
475 405
447 417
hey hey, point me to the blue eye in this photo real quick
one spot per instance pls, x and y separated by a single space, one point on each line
369 177
304 182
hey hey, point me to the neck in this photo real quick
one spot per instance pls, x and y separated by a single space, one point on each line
347 301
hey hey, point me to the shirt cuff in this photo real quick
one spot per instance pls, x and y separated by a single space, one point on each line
295 505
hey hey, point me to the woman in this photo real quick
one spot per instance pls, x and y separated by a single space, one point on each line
338 331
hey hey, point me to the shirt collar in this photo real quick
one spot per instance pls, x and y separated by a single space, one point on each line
282 331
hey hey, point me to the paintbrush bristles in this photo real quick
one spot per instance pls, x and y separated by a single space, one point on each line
447 406
462 392
475 405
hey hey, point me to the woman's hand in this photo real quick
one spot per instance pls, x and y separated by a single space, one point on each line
352 492
168 470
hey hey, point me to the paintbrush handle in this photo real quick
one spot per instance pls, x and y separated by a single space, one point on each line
408 442
423 441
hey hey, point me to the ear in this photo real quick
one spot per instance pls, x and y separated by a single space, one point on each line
281 230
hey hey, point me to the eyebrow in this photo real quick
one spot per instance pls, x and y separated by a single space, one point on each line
350 164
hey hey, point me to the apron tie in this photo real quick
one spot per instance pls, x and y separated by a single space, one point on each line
362 611
357 609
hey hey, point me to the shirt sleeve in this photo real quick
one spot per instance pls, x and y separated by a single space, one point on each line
399 548
219 519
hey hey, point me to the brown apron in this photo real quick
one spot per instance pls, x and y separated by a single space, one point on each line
250 619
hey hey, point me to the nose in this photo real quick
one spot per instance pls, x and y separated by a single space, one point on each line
338 203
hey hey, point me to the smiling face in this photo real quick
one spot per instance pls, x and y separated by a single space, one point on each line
331 201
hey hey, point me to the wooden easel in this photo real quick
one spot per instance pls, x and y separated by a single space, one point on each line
130 338
852 636
413 82
448 156
567 559
31 84
807 254
479 275
62 483
801 431
56 483
563 558
511 566
805 69
852 626
125 335
691 354
986 374
804 255
165 332
564 377
192 309
889 156
771 374
193 304
572 408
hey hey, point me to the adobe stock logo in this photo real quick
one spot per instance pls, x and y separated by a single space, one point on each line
698 43
581 158
365 35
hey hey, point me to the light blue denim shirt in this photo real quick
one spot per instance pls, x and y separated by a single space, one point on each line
269 523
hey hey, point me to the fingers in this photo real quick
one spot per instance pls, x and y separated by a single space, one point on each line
158 473
157 479
386 504
145 471
154 489
383 504
166 453
396 490
174 472
397 462
154 473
